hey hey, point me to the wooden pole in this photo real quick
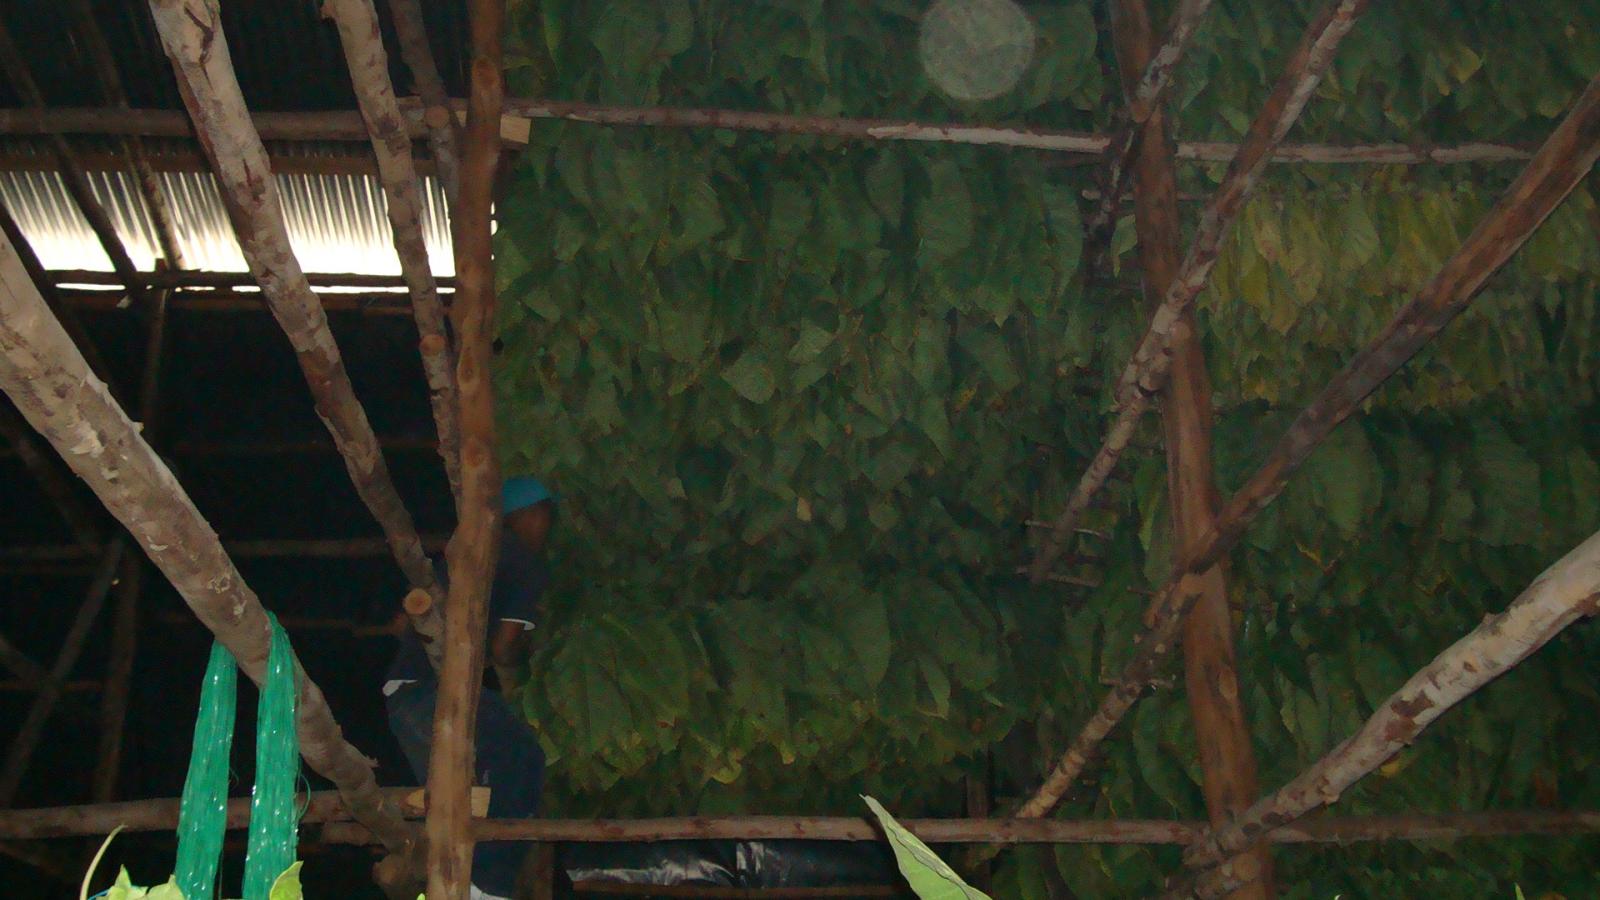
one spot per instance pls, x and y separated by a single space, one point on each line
327 808
72 172
52 386
125 621
475 544
443 135
27 738
105 69
1563 160
191 31
334 548
1146 371
1145 93
1211 669
391 144
203 279
84 525
346 125
52 298
1563 594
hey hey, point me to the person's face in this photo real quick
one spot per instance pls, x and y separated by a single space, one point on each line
531 525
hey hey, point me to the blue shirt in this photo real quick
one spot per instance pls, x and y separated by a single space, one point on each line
520 580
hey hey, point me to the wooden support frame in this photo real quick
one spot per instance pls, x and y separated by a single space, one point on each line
391 145
32 729
1146 371
55 390
71 171
1560 163
475 545
191 32
85 526
443 134
346 125
1145 94
1211 668
1565 593
105 69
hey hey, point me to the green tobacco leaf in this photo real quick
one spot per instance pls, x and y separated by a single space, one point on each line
886 187
929 876
752 377
287 885
944 217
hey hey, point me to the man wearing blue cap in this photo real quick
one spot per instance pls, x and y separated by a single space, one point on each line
509 760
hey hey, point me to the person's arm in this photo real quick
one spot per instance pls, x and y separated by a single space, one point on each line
509 643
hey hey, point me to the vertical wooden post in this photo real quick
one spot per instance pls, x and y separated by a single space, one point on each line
473 548
1211 675
125 616
27 739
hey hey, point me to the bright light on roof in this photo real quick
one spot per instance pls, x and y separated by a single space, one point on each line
337 223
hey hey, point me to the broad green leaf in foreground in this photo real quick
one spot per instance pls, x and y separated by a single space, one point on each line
929 876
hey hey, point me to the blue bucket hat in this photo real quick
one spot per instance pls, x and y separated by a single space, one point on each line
522 492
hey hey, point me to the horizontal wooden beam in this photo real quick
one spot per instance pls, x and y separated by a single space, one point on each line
268 548
194 278
225 300
346 125
23 159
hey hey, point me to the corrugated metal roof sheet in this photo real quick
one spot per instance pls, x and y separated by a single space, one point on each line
337 223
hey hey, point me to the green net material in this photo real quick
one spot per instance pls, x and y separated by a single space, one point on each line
203 816
274 815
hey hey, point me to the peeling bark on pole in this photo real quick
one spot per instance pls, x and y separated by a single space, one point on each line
1563 594
1084 146
391 145
72 172
1211 670
191 32
54 389
1146 371
474 546
1564 159
443 135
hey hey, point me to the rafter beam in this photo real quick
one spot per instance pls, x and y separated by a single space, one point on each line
62 399
346 125
1564 159
191 31
1146 372
369 74
71 171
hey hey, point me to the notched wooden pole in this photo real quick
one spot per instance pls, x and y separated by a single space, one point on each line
1147 369
474 546
191 31
391 144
